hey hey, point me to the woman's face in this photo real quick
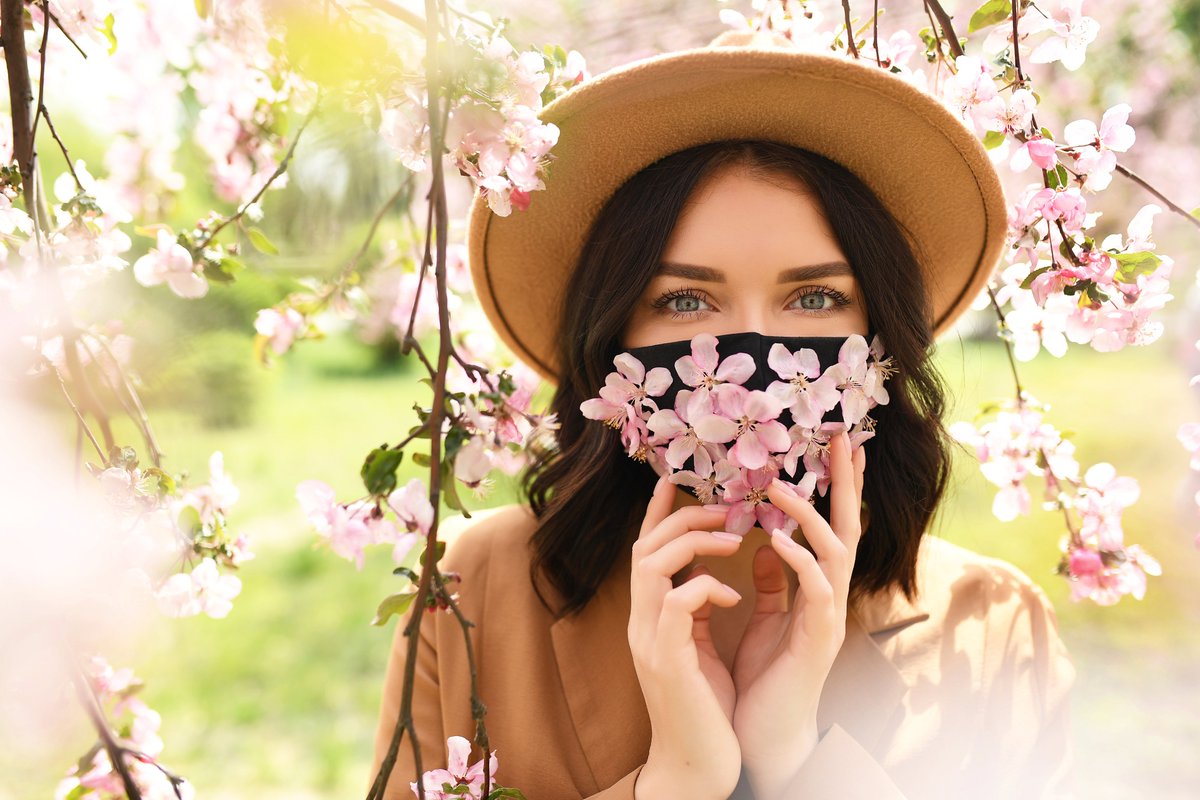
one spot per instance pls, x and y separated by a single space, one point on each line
749 255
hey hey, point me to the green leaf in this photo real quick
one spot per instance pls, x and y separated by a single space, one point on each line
450 489
499 792
1028 281
1132 265
379 470
393 604
1057 177
110 34
421 459
260 241
993 139
990 13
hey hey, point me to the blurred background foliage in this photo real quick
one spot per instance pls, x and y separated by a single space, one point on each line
280 699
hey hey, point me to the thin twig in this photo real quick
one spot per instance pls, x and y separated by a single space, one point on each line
212 232
947 26
92 705
138 411
83 426
849 28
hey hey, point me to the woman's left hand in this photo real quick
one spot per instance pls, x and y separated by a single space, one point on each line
785 655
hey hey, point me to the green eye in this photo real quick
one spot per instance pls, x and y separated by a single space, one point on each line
817 300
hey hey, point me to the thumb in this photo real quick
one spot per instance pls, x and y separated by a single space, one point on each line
770 582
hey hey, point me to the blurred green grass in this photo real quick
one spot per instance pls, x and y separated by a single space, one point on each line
281 697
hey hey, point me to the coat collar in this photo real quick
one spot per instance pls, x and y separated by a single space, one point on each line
609 712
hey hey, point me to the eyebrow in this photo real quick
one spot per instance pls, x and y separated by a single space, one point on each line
809 272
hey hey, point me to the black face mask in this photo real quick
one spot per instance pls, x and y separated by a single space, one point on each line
758 346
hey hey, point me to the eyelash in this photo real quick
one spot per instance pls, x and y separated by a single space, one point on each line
840 299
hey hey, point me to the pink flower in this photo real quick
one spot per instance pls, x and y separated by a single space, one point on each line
701 367
1073 32
850 376
707 482
204 591
624 394
346 531
170 262
457 774
803 389
1098 158
1037 150
673 426
750 418
280 327
747 496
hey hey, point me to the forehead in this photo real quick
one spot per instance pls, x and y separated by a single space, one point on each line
736 221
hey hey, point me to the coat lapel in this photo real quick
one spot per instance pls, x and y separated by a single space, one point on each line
862 693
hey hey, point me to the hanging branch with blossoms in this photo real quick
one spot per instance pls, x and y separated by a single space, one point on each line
1060 283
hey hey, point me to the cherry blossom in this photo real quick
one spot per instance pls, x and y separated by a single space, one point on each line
1072 33
1097 148
203 591
703 368
170 262
345 528
803 390
279 327
463 781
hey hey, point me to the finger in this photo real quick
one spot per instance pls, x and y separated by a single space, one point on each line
770 583
825 543
678 553
844 509
674 525
659 506
701 631
820 602
676 621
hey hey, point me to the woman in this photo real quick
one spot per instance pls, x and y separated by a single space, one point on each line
612 659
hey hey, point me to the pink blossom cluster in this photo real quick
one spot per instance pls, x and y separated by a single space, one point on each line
733 436
200 517
135 726
244 90
1018 444
349 528
498 142
494 411
457 780
1053 303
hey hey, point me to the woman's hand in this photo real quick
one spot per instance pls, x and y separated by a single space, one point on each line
785 655
689 693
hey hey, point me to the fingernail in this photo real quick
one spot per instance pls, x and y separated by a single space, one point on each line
783 537
732 591
729 537
781 485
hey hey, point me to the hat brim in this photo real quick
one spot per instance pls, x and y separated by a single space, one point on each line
930 170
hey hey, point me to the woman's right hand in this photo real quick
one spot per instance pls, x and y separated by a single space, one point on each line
689 692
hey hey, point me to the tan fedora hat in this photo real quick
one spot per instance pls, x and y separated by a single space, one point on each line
924 163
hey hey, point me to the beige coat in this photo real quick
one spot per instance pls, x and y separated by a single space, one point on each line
964 694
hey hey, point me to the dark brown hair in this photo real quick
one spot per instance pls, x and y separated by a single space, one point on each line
589 497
